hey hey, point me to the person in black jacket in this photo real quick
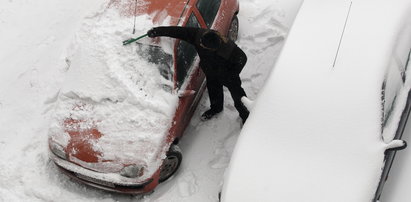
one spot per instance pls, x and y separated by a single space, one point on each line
221 61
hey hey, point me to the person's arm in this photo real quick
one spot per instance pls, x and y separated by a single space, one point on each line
188 34
238 59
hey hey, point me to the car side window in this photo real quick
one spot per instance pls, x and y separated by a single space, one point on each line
389 91
186 53
407 63
387 107
208 9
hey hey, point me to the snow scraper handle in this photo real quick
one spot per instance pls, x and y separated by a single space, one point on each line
129 41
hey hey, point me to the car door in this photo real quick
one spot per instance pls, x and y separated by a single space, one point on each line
390 93
189 79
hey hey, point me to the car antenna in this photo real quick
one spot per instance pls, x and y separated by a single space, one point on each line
135 16
131 40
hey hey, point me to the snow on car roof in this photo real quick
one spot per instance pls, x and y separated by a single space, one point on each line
315 131
110 87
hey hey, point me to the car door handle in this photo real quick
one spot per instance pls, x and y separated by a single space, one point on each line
185 93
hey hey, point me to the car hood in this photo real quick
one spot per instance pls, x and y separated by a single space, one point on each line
112 109
107 136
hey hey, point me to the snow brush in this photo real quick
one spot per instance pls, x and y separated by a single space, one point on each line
129 41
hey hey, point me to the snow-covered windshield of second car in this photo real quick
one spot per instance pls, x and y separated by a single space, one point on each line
155 54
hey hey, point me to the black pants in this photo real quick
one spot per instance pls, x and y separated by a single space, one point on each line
216 94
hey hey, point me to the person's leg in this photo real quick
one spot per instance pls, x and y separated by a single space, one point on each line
233 83
216 95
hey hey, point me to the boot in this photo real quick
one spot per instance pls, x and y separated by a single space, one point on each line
209 114
244 115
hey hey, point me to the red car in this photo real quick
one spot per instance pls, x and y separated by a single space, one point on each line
88 149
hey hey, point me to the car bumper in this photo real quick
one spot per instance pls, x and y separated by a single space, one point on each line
106 181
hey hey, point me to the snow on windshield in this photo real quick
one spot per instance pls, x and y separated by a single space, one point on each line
111 87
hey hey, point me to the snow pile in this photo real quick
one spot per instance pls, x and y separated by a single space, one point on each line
34 36
110 87
323 140
32 71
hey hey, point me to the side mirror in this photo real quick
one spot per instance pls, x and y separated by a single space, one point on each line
185 93
396 145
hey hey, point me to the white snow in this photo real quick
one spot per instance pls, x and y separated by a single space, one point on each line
39 42
112 89
323 137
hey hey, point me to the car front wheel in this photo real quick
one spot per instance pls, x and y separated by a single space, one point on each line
171 163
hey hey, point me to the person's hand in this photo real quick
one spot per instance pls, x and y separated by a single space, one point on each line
152 33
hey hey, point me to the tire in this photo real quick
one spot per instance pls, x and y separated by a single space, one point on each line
171 163
233 30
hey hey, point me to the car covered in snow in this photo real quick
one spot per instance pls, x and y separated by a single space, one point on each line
327 123
122 109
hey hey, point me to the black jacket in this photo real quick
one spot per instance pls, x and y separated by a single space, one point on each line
228 59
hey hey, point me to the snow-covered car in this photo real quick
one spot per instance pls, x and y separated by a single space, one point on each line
122 109
327 123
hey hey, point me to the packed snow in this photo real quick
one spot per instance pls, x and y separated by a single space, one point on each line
39 42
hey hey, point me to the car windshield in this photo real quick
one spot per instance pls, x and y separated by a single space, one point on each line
155 54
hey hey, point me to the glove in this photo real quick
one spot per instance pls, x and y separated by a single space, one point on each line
152 33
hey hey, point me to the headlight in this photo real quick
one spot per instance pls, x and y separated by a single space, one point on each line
132 171
58 150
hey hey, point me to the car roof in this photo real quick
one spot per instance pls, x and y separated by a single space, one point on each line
314 133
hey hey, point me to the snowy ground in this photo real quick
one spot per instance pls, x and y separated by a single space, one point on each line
34 36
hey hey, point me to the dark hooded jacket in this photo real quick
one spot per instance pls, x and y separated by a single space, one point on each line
226 60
